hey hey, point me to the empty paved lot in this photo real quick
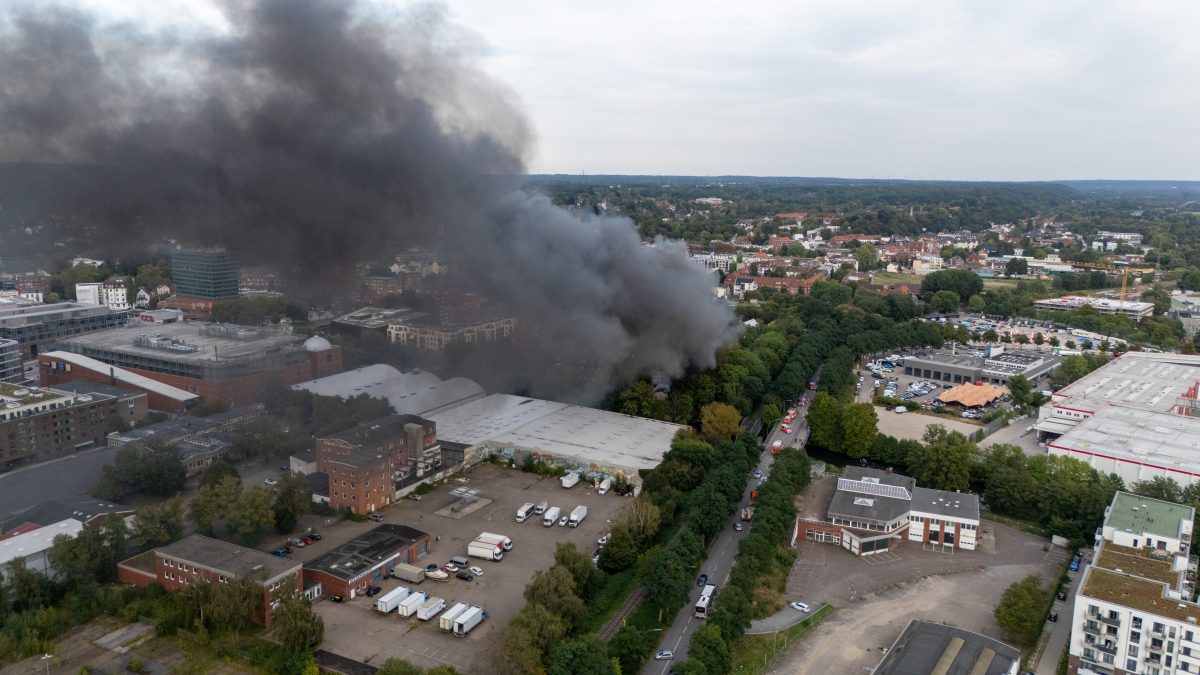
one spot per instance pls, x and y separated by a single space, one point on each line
354 630
875 600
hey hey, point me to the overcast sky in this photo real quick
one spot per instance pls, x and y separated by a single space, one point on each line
1015 90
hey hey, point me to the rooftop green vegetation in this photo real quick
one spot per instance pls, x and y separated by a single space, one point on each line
1133 513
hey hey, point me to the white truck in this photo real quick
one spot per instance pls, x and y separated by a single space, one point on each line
605 485
408 606
541 508
409 573
446 620
389 601
468 620
550 516
524 511
577 516
487 550
504 541
430 608
569 480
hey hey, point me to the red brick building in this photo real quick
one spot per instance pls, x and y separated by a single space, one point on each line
203 559
363 462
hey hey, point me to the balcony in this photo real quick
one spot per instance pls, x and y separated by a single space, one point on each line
1090 629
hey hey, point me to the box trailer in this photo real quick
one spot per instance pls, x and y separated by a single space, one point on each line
550 517
468 620
605 485
524 511
430 608
498 538
389 601
409 605
569 480
446 620
486 549
410 573
577 516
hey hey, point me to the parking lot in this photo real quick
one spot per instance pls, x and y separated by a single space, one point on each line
876 598
910 425
353 629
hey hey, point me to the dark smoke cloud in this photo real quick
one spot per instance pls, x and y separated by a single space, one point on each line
312 134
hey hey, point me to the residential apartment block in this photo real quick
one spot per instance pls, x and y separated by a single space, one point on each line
1135 611
41 424
112 293
429 334
11 366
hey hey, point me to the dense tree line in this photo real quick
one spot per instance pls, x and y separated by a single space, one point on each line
156 470
762 555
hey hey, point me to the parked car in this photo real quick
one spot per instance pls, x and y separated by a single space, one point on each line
298 543
337 598
757 472
477 571
308 541
451 567
702 580
562 522
1062 595
376 517
737 526
270 481
1053 616
1074 566
801 607
603 540
464 575
314 536
664 655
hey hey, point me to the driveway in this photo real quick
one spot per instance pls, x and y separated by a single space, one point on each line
1016 434
1060 631
876 598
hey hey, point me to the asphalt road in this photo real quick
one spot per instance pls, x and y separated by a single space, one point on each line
1061 629
721 554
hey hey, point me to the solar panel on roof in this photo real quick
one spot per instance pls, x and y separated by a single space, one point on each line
877 489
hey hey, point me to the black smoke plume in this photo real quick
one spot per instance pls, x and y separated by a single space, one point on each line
310 135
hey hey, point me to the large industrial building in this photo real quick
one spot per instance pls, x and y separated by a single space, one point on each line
38 325
1134 309
369 463
994 367
38 425
598 442
1135 611
1137 416
221 361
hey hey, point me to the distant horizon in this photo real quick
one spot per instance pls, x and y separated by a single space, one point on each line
864 178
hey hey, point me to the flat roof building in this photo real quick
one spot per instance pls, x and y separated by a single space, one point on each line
42 424
199 559
11 366
995 367
1135 611
597 442
38 325
34 546
364 561
1133 309
1137 416
926 647
223 361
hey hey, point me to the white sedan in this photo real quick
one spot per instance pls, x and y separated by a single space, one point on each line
270 481
477 571
801 607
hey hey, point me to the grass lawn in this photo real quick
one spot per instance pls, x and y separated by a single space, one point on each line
754 654
895 278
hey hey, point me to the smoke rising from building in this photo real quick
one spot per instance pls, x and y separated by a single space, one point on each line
308 134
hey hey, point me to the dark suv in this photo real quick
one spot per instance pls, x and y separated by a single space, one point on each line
465 575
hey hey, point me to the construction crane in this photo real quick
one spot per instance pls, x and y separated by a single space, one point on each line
1113 268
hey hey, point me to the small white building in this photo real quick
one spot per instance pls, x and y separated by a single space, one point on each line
112 293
